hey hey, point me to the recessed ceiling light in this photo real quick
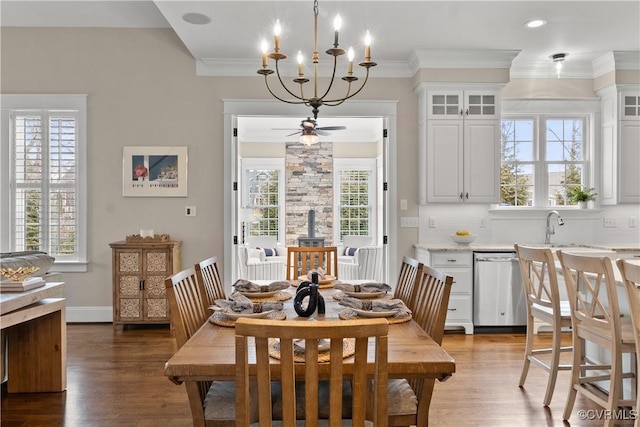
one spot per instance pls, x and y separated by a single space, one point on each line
536 23
196 18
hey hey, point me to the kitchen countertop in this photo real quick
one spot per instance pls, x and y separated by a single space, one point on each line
507 247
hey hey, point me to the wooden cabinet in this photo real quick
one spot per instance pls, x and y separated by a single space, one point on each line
459 145
459 265
139 271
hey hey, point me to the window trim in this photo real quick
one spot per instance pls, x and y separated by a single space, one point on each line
583 108
370 164
76 102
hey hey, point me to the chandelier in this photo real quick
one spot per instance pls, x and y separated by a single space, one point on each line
316 100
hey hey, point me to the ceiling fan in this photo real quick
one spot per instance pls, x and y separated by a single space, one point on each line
309 131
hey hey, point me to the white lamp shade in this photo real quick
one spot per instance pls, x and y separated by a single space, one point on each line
309 139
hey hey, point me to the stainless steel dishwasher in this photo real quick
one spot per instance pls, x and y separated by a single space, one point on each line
498 294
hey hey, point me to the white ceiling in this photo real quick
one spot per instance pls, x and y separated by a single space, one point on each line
405 33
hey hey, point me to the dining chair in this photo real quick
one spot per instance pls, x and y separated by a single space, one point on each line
302 259
209 275
212 403
265 333
431 299
630 273
406 281
595 319
540 281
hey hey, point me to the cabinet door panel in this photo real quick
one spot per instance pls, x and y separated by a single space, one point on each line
482 161
629 161
444 155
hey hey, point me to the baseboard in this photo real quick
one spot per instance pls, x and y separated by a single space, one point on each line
100 314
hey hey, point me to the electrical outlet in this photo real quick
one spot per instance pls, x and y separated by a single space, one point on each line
190 211
610 222
409 221
632 222
483 222
403 204
432 222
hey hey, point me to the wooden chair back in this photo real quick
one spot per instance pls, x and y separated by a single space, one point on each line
540 281
302 259
209 275
592 296
406 281
432 291
631 277
187 298
187 303
287 332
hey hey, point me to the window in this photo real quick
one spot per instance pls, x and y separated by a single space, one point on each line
543 159
263 198
44 139
354 182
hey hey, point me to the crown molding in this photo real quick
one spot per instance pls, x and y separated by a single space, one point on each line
463 58
616 60
454 59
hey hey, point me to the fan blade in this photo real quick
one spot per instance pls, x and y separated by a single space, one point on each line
295 133
284 129
332 128
322 132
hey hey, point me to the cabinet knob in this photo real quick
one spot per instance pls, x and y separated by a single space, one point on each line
461 112
452 309
466 195
466 113
461 196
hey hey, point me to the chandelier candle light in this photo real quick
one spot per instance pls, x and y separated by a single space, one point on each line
315 101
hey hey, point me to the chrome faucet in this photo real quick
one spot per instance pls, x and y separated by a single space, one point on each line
549 230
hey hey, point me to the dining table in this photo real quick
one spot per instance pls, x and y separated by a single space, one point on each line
209 354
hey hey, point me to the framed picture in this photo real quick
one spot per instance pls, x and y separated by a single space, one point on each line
154 172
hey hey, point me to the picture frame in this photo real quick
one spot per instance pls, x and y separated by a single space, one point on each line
154 171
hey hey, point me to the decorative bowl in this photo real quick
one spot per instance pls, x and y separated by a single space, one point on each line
463 240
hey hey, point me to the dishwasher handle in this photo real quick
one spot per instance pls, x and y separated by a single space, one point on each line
497 259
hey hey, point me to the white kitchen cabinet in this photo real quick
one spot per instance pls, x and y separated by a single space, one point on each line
468 103
629 147
459 145
620 147
459 265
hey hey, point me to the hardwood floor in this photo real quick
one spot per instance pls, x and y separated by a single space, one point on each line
116 379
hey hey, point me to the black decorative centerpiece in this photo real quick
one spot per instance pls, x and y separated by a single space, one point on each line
314 301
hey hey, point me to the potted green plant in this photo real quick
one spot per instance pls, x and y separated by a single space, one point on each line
582 195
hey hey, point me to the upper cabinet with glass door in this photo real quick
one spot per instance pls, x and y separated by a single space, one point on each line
630 106
468 104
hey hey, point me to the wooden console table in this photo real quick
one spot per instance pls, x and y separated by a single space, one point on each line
34 323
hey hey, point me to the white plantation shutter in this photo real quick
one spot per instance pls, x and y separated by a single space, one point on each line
47 176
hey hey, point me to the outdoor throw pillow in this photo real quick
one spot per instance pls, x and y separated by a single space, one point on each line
350 251
269 251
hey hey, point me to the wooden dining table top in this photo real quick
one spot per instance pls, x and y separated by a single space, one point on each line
210 353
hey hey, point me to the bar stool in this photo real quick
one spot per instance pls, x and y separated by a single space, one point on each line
543 302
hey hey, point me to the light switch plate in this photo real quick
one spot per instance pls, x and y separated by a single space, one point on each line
190 211
610 222
409 221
